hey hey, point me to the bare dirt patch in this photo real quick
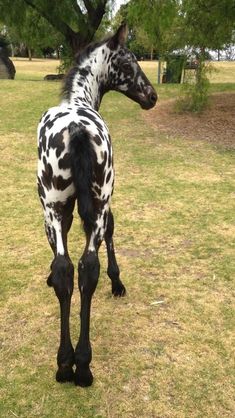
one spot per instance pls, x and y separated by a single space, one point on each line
215 125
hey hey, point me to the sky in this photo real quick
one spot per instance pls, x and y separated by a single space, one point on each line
118 3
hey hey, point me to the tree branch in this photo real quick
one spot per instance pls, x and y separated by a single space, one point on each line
95 14
87 23
55 21
76 8
89 6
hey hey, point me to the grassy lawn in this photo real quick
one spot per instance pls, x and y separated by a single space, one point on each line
166 350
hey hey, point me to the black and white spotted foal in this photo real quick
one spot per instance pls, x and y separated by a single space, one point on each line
76 164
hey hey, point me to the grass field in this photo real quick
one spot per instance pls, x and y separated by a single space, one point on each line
223 72
166 350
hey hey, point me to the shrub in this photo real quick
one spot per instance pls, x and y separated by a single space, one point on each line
194 96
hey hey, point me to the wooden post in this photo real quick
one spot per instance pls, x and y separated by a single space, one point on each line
30 54
159 71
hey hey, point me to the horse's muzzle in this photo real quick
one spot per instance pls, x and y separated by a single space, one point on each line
150 98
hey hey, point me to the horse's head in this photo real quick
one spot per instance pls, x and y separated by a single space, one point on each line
125 74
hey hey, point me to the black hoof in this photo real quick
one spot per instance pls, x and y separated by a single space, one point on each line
118 290
65 374
83 378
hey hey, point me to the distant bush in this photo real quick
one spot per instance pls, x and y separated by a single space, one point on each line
4 45
194 96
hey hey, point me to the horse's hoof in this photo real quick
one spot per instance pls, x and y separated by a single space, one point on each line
83 378
118 290
65 374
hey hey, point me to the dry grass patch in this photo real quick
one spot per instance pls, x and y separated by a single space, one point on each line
35 69
221 72
166 350
214 125
224 72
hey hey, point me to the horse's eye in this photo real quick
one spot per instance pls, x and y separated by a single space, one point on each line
126 67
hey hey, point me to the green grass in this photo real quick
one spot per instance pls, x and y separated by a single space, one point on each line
174 211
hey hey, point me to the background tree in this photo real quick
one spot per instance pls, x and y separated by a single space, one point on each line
187 25
34 33
157 22
7 69
206 24
76 22
138 40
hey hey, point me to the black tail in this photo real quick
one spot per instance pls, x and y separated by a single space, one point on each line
82 157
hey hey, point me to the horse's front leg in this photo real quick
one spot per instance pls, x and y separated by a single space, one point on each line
118 289
88 274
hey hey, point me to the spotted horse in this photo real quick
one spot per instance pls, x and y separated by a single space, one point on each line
76 165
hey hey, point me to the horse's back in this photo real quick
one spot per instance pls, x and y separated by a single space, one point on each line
55 177
53 128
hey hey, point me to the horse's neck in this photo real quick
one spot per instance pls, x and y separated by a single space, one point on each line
88 83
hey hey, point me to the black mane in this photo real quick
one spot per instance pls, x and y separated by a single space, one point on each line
78 60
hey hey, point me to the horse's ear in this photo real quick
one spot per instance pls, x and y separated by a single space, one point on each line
122 34
119 38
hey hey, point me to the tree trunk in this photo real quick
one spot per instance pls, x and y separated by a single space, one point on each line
30 54
159 71
88 22
75 43
12 50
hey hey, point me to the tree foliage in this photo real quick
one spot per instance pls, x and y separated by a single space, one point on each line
173 24
76 22
208 23
34 32
189 25
138 40
158 19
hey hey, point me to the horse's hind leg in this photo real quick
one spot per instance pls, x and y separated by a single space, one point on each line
118 289
58 220
88 275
